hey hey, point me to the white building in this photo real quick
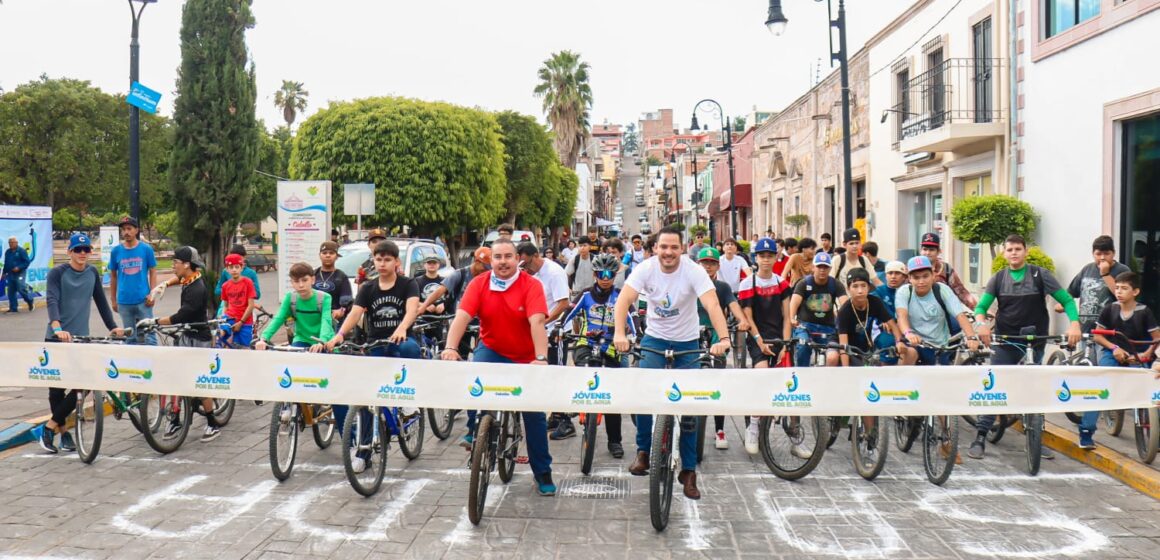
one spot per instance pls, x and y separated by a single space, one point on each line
1088 118
582 215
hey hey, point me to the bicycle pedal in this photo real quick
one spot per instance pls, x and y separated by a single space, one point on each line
522 459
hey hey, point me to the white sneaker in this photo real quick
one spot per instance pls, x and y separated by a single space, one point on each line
722 443
357 464
798 450
751 439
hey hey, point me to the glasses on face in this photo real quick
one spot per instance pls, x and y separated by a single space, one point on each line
85 250
605 275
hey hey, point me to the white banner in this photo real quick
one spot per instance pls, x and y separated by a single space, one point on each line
303 224
318 378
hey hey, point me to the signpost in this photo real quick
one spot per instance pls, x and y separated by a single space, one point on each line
303 224
143 98
358 199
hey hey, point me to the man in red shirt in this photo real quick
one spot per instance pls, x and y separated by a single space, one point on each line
511 309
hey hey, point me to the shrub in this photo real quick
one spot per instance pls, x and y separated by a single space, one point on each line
990 219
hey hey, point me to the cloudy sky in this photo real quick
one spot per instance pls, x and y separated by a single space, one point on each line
645 54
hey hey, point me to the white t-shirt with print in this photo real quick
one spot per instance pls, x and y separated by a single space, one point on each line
672 298
555 283
730 272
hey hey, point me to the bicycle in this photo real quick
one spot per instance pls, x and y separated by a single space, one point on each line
495 447
737 338
1032 423
288 419
1085 355
1147 420
89 418
441 420
806 438
1002 421
597 358
869 442
367 431
940 433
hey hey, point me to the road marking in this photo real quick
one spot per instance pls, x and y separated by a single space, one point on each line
1086 539
463 532
177 492
292 512
779 521
697 537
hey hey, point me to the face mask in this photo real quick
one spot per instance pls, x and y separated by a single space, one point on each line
500 285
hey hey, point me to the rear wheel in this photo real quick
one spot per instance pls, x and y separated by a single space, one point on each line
284 426
660 480
411 433
481 461
588 442
1113 421
223 410
869 444
1147 436
323 427
166 419
906 430
441 421
509 445
361 440
792 446
940 447
90 424
1033 431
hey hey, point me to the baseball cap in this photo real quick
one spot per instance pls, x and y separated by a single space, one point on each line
896 266
930 239
376 233
709 254
765 245
188 254
918 263
433 257
328 246
857 275
128 221
79 240
851 234
822 258
232 260
483 255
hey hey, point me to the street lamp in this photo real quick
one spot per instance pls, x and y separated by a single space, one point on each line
135 114
728 142
776 22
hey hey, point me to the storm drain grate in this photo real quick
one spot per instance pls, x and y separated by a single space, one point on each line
595 487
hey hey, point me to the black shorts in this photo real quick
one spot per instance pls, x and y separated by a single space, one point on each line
756 355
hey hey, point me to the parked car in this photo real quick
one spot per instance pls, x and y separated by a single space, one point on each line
412 253
640 200
517 236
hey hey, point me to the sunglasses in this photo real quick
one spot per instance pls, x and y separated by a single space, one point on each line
83 250
605 274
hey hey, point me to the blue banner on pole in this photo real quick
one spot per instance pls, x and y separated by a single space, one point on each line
143 98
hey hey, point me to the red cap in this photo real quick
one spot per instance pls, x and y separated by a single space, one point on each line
232 260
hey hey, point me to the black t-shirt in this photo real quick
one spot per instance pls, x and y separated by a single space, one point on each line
1138 326
862 325
765 297
819 301
336 283
385 308
724 297
427 286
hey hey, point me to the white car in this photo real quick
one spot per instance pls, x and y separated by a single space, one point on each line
412 254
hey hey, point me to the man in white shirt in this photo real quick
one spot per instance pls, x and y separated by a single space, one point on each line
733 266
555 284
672 284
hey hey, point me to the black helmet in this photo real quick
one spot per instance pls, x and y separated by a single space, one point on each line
605 261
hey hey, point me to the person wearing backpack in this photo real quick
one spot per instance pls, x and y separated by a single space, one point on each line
813 310
853 259
308 307
931 248
927 311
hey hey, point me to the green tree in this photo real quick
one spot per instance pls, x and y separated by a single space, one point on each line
631 138
438 168
567 99
217 137
990 219
65 219
533 186
271 161
653 161
738 124
565 209
291 99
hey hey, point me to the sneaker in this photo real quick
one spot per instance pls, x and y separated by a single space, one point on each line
800 451
66 442
1047 454
721 442
29 305
616 450
211 433
1085 440
357 464
553 421
563 431
466 441
751 439
545 486
173 429
978 447
46 436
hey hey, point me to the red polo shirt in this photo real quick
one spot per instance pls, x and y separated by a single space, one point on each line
503 316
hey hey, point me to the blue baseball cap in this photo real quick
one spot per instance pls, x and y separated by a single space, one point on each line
918 263
765 245
79 240
822 258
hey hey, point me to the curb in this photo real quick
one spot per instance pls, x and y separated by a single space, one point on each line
28 430
1104 459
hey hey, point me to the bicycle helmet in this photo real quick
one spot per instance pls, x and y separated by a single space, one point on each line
605 261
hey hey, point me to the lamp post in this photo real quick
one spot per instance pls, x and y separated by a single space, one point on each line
728 140
135 114
776 22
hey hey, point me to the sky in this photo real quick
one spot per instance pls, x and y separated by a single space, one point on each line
644 54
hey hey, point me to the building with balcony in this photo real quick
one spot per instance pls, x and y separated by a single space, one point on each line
939 101
740 197
653 125
1088 130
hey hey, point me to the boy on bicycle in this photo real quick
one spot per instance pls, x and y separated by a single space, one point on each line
308 307
764 299
812 311
1136 322
927 312
710 260
239 298
593 315
864 322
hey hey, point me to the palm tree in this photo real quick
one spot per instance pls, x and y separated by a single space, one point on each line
567 98
291 98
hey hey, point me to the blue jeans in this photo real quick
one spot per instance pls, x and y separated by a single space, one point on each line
408 349
1091 417
17 286
929 357
535 423
807 332
130 315
1006 355
644 422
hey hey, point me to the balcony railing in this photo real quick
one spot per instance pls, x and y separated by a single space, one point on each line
959 90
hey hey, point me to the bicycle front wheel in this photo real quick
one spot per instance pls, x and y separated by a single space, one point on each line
792 446
588 442
90 424
869 445
481 461
509 445
1147 438
906 430
223 410
1033 431
411 433
1113 421
441 421
323 426
284 427
940 447
660 479
166 420
364 438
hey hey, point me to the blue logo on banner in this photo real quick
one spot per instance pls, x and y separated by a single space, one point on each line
143 98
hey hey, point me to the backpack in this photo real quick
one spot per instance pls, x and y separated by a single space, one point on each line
294 312
952 324
842 265
830 285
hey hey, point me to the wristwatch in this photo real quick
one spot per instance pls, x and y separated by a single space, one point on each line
541 358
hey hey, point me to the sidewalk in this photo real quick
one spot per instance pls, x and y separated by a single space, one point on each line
1114 455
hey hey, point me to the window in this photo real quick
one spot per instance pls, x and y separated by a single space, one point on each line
860 199
984 82
902 95
936 93
1062 15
